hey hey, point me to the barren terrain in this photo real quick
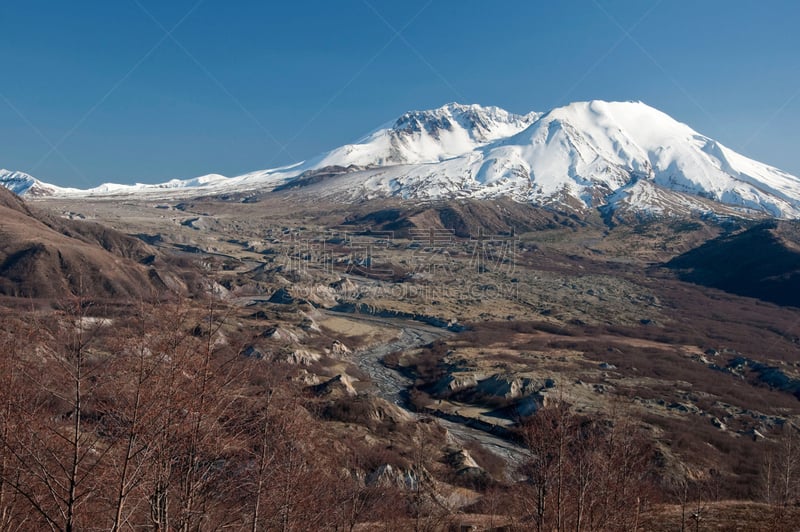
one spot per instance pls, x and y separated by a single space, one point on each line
395 316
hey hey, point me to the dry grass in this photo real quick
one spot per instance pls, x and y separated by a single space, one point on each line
724 516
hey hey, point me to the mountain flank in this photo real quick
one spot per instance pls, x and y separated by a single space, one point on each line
42 256
762 262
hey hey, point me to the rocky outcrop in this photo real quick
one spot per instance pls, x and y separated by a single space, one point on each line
338 349
300 357
282 296
434 321
281 334
508 386
455 382
337 387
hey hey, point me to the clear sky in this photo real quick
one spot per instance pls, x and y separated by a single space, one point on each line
150 90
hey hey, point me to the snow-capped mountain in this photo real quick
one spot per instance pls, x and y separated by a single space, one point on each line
21 183
596 151
428 137
610 155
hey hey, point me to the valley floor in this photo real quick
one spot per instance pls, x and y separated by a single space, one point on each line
303 361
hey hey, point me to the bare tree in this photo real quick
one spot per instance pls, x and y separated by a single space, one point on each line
624 459
355 499
545 436
781 468
187 398
585 468
12 341
55 453
264 455
132 407
583 473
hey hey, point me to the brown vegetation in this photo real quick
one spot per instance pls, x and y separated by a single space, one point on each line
184 415
158 421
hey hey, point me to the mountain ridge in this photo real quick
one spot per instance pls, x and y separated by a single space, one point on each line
44 256
615 156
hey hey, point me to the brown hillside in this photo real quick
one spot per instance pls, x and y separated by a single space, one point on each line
761 262
44 257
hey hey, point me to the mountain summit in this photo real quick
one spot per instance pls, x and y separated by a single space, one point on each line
428 136
21 183
615 156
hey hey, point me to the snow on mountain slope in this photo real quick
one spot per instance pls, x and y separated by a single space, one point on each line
21 183
415 137
592 154
591 149
428 136
614 155
24 184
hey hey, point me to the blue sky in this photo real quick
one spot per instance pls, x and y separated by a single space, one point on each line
146 91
